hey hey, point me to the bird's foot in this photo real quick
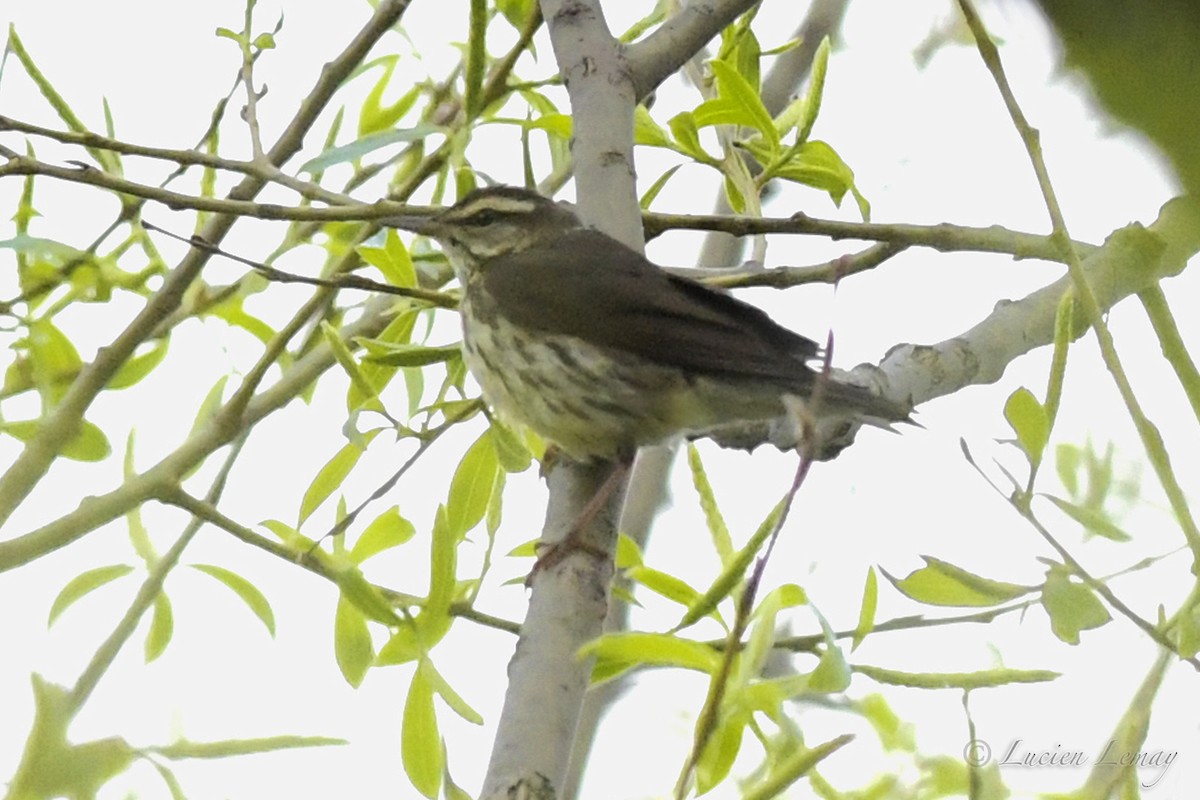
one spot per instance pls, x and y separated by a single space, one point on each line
551 554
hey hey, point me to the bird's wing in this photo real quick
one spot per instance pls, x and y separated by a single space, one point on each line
591 286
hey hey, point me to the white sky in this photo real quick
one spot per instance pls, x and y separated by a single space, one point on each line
927 146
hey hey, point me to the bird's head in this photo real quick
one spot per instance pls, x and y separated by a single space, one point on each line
492 222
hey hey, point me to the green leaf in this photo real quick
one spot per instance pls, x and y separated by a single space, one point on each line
408 355
1187 634
940 583
472 485
894 734
556 124
162 626
447 693
661 583
83 584
386 531
683 127
866 612
374 115
365 596
732 574
362 392
813 163
209 405
512 454
794 767
737 201
352 646
249 594
1067 460
443 566
108 160
393 260
648 132
721 751
1027 417
832 673
1001 676
368 144
737 103
816 89
139 366
659 649
421 743
404 646
66 769
515 11
330 477
1072 606
184 748
717 528
89 445
1063 323
656 187
378 376
1094 520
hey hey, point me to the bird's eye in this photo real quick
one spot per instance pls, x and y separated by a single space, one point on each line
484 217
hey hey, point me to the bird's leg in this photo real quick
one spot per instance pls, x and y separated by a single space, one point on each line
552 554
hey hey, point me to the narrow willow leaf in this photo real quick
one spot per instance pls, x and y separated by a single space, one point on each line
660 649
652 193
816 90
732 574
393 260
472 486
956 680
648 132
447 693
352 646
368 144
409 355
668 586
246 591
794 767
162 627
1063 323
717 528
687 136
866 612
737 103
512 453
139 366
184 748
720 752
83 584
1094 520
365 595
421 741
443 565
940 583
330 477
374 116
389 529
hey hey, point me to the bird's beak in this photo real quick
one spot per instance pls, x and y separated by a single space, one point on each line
425 226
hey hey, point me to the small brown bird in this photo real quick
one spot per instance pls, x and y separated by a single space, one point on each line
600 351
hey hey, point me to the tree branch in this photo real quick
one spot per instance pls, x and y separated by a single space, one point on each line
662 53
62 424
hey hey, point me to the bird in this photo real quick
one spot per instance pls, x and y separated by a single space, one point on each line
599 351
